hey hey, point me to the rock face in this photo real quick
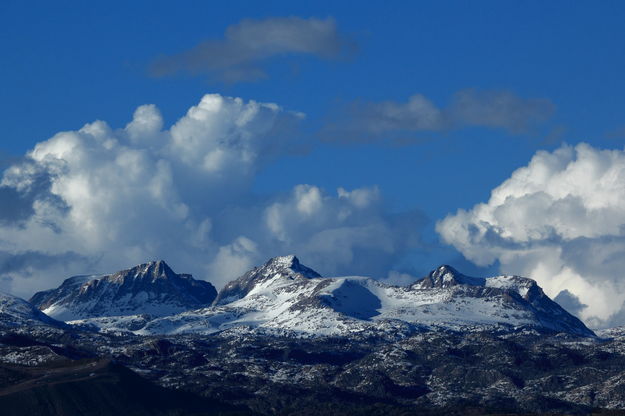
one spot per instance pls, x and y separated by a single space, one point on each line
517 294
286 297
150 288
287 266
283 296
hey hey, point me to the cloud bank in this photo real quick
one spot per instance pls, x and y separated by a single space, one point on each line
495 109
561 221
99 199
249 43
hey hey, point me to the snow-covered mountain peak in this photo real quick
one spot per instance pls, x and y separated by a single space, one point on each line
275 298
527 288
284 295
288 264
444 269
446 277
150 288
277 267
151 271
443 276
284 261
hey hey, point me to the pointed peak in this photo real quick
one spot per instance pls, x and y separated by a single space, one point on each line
444 269
154 263
288 261
276 267
157 269
161 266
445 276
446 273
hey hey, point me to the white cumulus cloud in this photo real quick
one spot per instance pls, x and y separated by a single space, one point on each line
559 220
99 199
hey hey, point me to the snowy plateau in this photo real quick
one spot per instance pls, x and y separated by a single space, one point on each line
281 339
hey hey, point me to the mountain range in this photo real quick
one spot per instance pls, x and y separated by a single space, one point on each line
287 297
282 339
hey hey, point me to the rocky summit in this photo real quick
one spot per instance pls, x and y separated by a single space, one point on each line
151 288
285 297
288 266
281 339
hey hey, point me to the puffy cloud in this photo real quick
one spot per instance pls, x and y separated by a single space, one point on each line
247 44
99 199
346 233
370 121
559 220
30 264
399 279
234 259
570 302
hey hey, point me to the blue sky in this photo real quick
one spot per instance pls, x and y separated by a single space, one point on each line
69 63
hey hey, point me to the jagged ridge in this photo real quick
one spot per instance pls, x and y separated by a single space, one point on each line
151 288
288 266
283 295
